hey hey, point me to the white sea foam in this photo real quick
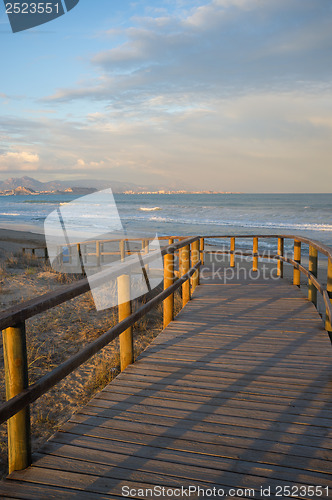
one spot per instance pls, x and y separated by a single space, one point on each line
149 209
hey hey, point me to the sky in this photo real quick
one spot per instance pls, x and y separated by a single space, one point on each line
232 95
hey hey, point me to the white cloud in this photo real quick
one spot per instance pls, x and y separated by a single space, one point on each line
22 156
18 160
222 47
82 165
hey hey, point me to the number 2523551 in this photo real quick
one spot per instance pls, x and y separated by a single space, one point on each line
32 8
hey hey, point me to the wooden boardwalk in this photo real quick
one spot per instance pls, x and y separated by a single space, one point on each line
236 393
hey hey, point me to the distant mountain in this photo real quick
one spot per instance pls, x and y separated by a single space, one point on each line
30 183
35 185
15 182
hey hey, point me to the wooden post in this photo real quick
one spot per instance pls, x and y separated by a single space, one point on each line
201 250
328 320
102 249
297 258
168 281
86 253
145 246
232 255
255 258
80 258
280 265
313 268
185 263
124 309
122 250
194 260
70 254
98 253
79 255
16 377
198 254
59 257
145 250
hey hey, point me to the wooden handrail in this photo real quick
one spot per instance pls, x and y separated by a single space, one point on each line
30 308
324 249
312 276
11 407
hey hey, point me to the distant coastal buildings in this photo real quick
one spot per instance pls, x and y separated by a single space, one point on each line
25 191
181 191
28 186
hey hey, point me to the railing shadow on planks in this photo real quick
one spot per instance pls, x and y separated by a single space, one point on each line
191 252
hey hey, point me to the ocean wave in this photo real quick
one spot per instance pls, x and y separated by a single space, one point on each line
10 213
149 209
306 226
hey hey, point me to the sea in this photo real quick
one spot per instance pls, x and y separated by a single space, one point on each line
308 215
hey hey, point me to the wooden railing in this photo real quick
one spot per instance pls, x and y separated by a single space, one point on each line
192 252
315 247
81 248
12 323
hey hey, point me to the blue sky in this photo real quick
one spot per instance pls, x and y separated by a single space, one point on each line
223 94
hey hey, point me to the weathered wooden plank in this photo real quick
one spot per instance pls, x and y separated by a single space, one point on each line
284 358
161 472
200 393
279 456
231 365
289 370
216 406
196 421
234 389
213 398
33 491
276 426
228 434
180 371
84 482
110 452
258 450
219 417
